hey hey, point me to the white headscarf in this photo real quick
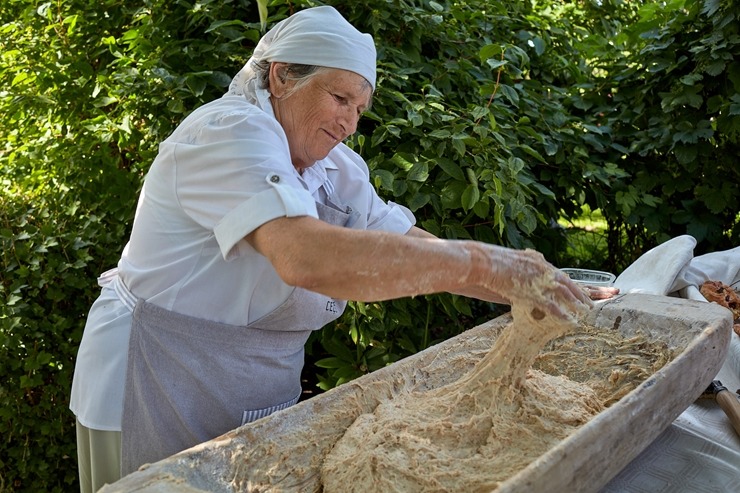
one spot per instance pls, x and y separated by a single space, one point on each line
317 36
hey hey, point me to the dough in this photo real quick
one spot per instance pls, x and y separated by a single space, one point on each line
473 433
604 360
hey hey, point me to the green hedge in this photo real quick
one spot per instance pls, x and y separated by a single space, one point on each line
675 104
492 120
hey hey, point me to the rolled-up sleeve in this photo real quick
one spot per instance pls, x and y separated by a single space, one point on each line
398 219
234 173
279 200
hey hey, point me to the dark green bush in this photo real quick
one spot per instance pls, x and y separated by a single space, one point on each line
492 121
48 280
469 110
667 90
90 89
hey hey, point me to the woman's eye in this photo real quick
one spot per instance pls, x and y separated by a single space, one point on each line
340 99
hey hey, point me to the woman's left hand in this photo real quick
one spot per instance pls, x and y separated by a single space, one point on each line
600 292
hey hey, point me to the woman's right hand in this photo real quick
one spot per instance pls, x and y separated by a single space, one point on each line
525 275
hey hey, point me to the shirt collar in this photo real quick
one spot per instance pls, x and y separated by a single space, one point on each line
316 176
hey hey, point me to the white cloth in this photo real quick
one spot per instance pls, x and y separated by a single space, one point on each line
699 451
224 171
716 266
317 36
656 270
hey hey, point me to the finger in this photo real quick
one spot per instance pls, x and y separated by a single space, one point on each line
601 292
576 289
564 311
569 297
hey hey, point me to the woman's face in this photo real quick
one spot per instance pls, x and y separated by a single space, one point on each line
320 114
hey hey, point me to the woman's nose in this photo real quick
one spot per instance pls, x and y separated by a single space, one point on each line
349 120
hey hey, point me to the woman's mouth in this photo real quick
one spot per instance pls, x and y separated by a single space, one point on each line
334 137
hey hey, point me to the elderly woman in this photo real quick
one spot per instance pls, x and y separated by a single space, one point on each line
254 225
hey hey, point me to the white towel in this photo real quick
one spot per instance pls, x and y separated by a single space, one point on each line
717 266
655 272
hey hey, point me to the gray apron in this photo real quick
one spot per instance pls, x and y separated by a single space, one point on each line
189 380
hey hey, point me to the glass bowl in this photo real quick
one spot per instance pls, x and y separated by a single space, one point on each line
590 277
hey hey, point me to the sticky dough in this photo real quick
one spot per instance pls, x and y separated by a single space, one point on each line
471 434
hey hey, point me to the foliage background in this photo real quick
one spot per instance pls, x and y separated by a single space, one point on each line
506 122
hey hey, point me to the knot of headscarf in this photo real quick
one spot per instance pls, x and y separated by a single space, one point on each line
317 36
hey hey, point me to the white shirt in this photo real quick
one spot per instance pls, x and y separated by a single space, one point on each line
223 172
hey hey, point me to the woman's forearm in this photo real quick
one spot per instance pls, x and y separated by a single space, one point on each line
374 266
364 265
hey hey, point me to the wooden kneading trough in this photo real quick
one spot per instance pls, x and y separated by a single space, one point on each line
463 416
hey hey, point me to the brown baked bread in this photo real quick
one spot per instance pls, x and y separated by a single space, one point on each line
724 295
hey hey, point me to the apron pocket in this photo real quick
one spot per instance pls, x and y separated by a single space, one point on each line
255 414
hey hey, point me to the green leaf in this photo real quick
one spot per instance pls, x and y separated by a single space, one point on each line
543 190
689 96
419 172
13 299
711 7
470 197
459 146
451 195
451 168
595 129
19 77
196 84
347 373
691 79
130 35
440 134
103 101
538 44
338 349
383 179
490 51
331 363
262 9
436 6
43 358
482 209
685 154
715 68
532 152
510 93
472 179
225 23
495 64
404 162
175 106
417 201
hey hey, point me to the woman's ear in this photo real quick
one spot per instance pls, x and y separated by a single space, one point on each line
278 79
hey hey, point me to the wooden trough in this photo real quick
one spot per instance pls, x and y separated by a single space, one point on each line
254 457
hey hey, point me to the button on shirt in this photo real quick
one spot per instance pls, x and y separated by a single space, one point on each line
223 172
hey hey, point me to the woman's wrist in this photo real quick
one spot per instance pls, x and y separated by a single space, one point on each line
481 266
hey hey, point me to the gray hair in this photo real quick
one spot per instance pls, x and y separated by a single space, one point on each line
301 74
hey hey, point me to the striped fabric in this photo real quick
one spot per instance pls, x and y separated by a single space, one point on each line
254 415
